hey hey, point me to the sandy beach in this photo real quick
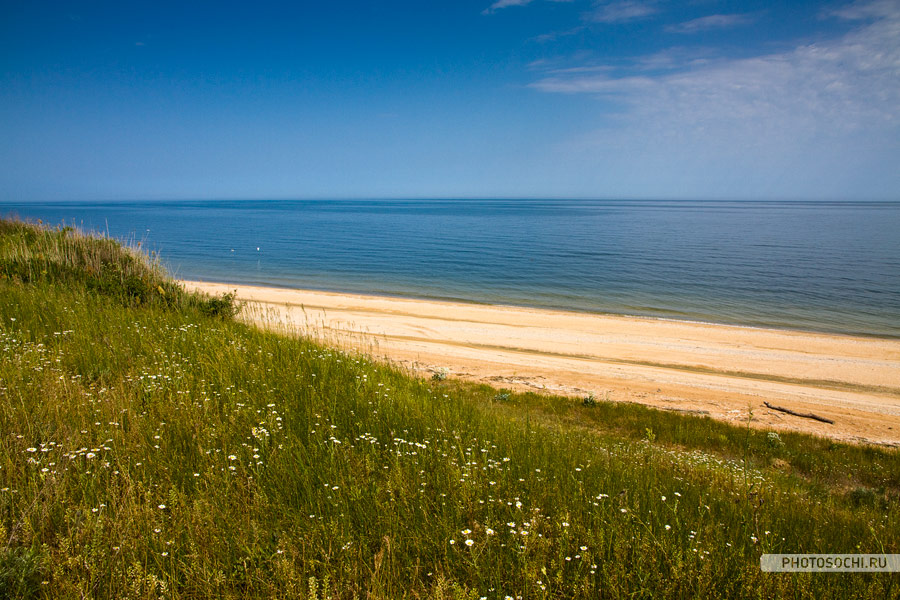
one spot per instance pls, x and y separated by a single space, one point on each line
717 370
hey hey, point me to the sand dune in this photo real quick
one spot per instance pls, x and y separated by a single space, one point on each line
719 370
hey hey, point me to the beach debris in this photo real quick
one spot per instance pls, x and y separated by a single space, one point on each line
797 414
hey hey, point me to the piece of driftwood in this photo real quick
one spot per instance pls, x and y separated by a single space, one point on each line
796 414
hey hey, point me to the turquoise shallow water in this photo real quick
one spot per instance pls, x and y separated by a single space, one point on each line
826 266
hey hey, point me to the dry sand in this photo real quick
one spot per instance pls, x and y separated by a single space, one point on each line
717 370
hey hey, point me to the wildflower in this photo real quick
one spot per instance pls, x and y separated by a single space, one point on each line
489 531
232 457
663 498
668 527
452 542
469 543
31 449
623 510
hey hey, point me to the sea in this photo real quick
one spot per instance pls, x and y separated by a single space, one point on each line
808 265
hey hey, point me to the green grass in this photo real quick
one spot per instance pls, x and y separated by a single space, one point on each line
68 257
151 448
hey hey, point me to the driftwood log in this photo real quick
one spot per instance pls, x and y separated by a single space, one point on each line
796 414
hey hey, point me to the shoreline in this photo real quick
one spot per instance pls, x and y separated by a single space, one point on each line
674 317
720 370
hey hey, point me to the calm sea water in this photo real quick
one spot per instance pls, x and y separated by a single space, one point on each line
828 266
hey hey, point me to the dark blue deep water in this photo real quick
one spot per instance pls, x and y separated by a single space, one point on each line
828 266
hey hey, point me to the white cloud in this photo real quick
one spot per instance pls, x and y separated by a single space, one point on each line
817 116
500 4
621 11
505 3
556 35
711 22
871 9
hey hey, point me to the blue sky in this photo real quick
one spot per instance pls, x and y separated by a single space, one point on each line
456 98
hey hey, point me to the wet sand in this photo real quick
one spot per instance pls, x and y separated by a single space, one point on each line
717 370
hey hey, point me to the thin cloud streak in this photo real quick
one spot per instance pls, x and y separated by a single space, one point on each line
556 35
621 11
501 4
711 22
862 9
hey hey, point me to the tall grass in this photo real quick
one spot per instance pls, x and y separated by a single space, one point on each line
66 256
150 450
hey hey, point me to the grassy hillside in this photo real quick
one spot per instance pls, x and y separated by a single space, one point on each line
153 447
